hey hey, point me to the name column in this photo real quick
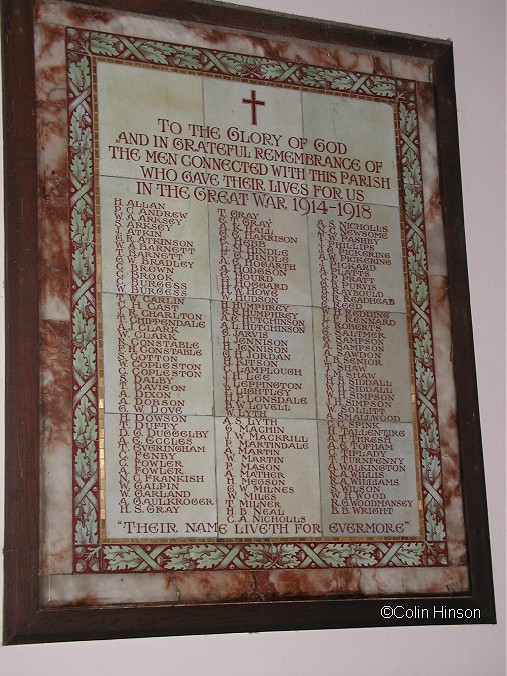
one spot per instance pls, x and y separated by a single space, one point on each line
264 379
368 450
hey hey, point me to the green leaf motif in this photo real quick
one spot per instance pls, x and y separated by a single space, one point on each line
91 432
336 555
82 330
425 380
430 466
84 361
258 556
315 77
84 307
84 230
426 418
192 557
382 86
122 558
81 534
81 167
78 327
416 246
81 224
429 437
83 322
80 423
79 74
85 412
80 133
408 120
164 48
89 331
341 555
418 291
104 44
85 427
178 558
152 52
162 53
434 524
233 64
288 556
87 559
206 556
82 464
186 58
436 554
85 461
342 82
423 349
411 169
271 71
416 263
83 263
272 556
320 77
363 555
86 524
413 204
411 554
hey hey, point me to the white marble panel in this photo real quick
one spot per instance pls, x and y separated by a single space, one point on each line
160 477
261 124
259 255
368 480
157 355
268 478
263 360
140 141
356 143
161 243
435 234
404 67
201 586
357 262
362 365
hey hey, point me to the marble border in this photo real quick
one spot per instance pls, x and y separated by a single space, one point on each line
44 600
89 554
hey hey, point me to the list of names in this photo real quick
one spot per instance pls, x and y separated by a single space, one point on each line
254 336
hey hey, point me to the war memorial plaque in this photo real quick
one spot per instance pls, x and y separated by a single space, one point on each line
252 311
245 328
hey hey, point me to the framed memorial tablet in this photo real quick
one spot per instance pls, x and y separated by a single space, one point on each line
240 373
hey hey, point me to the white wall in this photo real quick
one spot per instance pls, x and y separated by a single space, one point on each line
477 29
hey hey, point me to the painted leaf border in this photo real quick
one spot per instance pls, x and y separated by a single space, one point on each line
90 556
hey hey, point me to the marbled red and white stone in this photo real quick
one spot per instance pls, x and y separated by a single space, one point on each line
61 586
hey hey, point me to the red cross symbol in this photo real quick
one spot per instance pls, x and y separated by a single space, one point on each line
253 102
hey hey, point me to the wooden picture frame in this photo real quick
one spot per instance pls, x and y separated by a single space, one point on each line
30 615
